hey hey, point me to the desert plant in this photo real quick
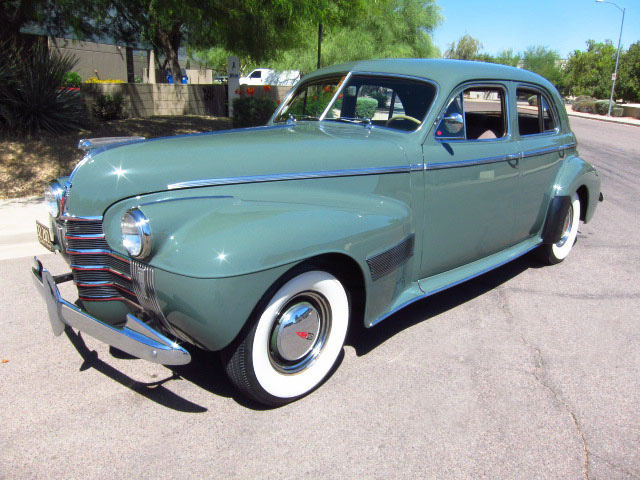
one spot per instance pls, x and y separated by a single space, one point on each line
250 111
366 107
30 96
108 107
71 79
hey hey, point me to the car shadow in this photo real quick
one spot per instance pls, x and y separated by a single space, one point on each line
206 371
364 340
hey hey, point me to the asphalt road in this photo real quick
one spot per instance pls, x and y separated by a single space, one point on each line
525 372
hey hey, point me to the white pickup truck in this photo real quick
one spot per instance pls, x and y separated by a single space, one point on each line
267 76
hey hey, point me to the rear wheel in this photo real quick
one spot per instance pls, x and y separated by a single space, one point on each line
293 342
556 252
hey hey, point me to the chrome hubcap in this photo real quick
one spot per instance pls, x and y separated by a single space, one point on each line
566 229
299 332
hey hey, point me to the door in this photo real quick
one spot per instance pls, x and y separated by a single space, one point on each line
471 179
540 142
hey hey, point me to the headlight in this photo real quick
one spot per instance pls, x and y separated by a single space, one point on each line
53 198
136 233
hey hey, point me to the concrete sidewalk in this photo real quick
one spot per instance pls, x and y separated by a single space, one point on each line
602 118
18 227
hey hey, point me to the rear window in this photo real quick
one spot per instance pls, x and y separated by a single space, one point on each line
535 116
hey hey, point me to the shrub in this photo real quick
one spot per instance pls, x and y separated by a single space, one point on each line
380 97
108 107
366 107
584 106
106 80
533 100
252 111
30 96
71 79
602 107
582 98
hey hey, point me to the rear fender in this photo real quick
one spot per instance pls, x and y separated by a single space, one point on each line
575 175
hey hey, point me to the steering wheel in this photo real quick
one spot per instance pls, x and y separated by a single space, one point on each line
402 117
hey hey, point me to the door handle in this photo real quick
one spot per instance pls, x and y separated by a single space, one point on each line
513 159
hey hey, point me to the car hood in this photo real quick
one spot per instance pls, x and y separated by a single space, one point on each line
122 171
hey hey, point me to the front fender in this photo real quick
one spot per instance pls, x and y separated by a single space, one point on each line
238 231
574 174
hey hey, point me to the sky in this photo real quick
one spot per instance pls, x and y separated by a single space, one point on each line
562 25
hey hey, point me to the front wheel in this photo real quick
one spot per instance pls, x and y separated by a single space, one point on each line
294 341
556 252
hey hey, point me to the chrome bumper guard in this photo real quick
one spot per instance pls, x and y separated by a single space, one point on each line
135 338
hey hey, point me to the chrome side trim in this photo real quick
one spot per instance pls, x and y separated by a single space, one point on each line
470 163
211 182
482 161
135 338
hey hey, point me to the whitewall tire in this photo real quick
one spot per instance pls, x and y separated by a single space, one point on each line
294 340
557 252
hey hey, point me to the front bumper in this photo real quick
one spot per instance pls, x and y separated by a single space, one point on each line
135 338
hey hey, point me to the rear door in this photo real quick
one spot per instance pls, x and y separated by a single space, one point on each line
540 141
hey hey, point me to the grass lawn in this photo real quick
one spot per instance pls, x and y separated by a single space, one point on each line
27 164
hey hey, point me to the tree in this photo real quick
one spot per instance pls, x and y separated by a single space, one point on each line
56 17
544 62
508 57
467 48
256 28
589 72
387 29
629 83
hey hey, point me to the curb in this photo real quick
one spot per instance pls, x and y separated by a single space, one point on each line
600 118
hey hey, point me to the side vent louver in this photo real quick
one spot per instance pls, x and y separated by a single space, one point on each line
386 262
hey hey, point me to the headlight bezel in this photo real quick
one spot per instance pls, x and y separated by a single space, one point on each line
53 197
138 226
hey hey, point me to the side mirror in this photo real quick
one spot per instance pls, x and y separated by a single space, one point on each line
454 123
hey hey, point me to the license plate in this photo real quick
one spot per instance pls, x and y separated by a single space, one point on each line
44 236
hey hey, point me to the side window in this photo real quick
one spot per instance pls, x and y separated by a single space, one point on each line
256 74
534 113
478 113
377 103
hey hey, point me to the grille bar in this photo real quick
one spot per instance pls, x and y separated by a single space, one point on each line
99 273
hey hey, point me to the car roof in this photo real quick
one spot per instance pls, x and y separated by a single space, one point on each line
445 72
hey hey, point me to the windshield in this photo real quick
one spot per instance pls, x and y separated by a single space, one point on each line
386 101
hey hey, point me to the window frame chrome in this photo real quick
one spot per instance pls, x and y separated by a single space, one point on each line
348 76
552 106
460 89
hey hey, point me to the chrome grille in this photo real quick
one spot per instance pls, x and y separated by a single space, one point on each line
85 227
98 272
75 242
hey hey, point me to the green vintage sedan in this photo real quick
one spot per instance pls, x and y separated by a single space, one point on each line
375 184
